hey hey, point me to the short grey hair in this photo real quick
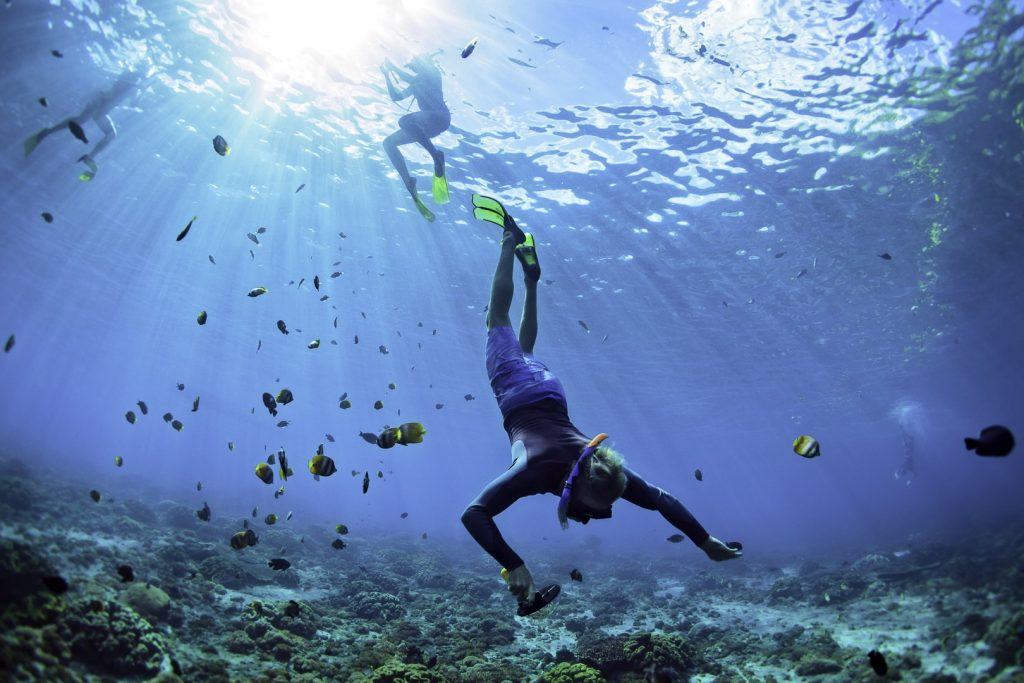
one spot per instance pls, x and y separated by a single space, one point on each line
605 479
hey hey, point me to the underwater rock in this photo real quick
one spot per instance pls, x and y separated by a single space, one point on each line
394 671
21 572
603 652
376 606
228 573
140 512
644 650
148 600
1005 639
176 515
35 654
571 672
814 666
113 638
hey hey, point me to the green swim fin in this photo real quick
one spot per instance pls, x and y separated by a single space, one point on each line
86 176
489 209
527 255
441 195
424 211
32 142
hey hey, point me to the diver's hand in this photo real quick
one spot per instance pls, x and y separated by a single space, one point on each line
718 551
520 583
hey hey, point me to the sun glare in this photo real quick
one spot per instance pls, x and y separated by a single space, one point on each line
332 28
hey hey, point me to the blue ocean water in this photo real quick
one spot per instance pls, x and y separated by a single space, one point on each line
755 220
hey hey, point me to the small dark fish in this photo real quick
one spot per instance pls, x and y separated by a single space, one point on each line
345 404
272 459
57 53
383 349
391 385
9 344
878 664
220 145
300 283
252 238
342 235
335 322
47 216
329 438
211 259
583 325
604 339
299 188
95 495
257 291
338 544
292 609
803 271
362 314
325 297
252 256
118 460
780 254
195 404
42 101
282 326
378 405
126 573
547 43
356 339
470 46
201 318
335 274
366 481
316 282
255 511
994 441
143 407
675 538
438 406
886 256
55 584
168 417
521 63
270 403
469 397
130 416
424 536
284 397
178 426
259 345
204 514
575 575
404 515
199 486
77 131
698 475
369 438
279 564
341 529
283 423
380 475
181 387
181 235
260 230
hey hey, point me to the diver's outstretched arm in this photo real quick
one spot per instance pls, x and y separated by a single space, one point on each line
393 92
639 492
528 325
406 76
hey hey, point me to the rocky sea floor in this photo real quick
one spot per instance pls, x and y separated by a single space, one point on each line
387 609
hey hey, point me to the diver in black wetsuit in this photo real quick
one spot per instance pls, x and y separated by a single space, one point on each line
546 445
424 84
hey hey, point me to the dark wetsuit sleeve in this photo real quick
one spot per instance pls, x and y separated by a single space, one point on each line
513 484
639 492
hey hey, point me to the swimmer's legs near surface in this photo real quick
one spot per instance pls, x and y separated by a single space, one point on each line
391 145
109 133
33 140
502 287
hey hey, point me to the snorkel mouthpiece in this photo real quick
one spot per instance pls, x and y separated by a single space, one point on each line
563 502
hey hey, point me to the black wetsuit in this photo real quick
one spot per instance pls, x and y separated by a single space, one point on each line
553 444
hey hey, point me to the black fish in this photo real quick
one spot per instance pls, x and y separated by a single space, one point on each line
252 237
338 544
780 254
993 441
181 235
195 404
698 475
378 405
283 423
9 344
142 406
468 50
42 101
335 274
675 538
329 438
335 322
220 145
47 216
583 325
168 417
366 481
469 397
383 349
279 564
282 326
204 514
369 438
316 282
260 230
878 664
270 403
438 406
211 259
199 486
126 573
356 339
575 575
95 495
887 257
292 609
181 387
77 131
299 188
130 416
55 584
57 53
803 271
404 515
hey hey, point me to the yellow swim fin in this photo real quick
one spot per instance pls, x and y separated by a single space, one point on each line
441 195
424 211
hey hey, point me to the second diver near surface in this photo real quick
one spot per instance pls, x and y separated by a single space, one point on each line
423 82
550 455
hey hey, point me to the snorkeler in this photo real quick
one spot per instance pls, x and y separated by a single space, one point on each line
98 109
550 454
424 84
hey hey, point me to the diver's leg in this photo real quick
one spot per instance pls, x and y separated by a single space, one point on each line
502 288
109 133
391 144
528 325
421 127
33 140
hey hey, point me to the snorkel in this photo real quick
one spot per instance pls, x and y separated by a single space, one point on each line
563 503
